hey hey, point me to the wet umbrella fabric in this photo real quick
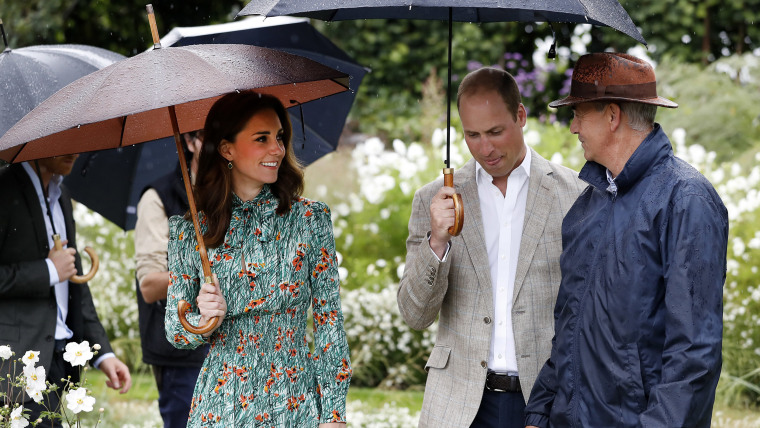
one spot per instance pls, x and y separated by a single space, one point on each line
324 119
32 74
126 102
607 13
90 181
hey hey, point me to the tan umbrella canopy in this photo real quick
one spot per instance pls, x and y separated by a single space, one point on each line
157 94
126 103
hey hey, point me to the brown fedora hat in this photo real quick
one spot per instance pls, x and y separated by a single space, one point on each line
608 76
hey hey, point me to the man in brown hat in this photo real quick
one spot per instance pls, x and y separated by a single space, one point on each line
638 319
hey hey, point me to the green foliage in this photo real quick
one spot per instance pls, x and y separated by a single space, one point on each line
113 287
717 104
403 54
680 28
118 25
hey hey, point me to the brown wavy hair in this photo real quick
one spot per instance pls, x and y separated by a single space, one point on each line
213 185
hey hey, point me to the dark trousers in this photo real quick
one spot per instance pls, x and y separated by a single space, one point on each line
500 410
175 392
59 369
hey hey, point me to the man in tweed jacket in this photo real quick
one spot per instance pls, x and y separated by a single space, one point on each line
495 285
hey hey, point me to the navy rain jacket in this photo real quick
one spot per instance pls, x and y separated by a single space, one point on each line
638 319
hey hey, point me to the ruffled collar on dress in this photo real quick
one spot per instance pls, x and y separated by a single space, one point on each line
258 213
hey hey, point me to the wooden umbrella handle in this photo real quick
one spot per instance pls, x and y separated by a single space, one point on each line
95 261
448 180
183 307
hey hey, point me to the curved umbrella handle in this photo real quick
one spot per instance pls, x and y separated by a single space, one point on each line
95 262
182 309
448 180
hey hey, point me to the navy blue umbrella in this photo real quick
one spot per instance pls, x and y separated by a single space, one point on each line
321 121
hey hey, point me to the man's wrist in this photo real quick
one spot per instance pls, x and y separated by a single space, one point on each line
102 358
52 272
441 250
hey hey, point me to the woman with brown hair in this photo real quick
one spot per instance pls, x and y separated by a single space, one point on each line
272 253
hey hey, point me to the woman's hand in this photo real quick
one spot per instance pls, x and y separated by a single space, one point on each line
211 304
333 425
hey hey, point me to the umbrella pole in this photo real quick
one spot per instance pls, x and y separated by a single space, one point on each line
448 98
448 172
184 306
2 30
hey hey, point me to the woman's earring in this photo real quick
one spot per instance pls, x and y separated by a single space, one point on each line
229 165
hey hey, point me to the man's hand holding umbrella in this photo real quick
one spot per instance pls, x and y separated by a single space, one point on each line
63 260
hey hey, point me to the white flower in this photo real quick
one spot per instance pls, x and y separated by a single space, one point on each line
5 352
342 273
36 395
78 354
738 247
17 418
532 137
77 400
399 147
557 158
35 379
31 358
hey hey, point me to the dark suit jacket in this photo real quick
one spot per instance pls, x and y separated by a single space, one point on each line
27 301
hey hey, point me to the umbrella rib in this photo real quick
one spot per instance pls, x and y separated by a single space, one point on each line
123 128
18 153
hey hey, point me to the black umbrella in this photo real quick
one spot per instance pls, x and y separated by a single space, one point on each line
33 73
608 13
92 183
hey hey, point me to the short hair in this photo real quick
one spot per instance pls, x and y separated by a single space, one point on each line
492 79
640 116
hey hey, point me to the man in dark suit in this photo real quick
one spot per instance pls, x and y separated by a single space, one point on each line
40 309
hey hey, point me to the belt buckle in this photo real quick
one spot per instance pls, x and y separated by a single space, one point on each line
490 373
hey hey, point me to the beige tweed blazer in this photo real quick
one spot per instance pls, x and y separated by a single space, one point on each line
459 289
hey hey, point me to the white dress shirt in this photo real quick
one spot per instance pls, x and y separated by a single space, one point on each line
61 287
503 218
62 331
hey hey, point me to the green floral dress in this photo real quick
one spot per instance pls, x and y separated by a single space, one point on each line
259 371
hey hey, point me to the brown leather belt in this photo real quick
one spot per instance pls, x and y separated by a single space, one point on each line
502 382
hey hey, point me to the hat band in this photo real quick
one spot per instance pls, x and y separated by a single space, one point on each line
635 91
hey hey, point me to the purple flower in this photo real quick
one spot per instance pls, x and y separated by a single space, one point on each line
518 56
511 64
473 65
